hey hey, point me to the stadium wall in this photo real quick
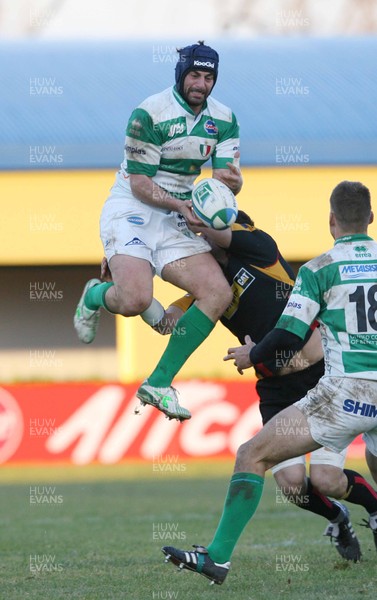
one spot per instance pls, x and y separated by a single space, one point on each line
306 123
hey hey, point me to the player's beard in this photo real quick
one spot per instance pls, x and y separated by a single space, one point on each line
195 98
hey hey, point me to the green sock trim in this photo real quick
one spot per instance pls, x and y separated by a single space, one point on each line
252 477
190 331
244 494
95 297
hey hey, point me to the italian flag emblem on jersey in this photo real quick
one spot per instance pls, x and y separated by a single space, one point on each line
205 150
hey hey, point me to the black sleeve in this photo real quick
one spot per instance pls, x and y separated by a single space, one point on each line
253 245
278 344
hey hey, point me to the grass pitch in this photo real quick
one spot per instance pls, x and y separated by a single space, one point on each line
100 538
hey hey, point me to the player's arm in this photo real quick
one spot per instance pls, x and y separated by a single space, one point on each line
221 238
226 158
292 331
144 189
231 176
278 342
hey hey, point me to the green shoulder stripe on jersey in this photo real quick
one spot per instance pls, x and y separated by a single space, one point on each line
135 167
220 163
141 127
227 131
293 325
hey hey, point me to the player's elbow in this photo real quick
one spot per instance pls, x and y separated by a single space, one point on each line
139 184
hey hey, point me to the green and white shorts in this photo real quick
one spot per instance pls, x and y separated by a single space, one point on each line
131 227
338 409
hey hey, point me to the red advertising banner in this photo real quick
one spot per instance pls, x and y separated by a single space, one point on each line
84 423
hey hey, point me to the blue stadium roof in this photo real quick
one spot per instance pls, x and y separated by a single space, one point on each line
298 101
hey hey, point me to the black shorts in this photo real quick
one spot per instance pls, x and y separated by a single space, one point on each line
276 393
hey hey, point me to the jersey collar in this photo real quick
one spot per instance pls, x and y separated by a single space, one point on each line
353 238
184 104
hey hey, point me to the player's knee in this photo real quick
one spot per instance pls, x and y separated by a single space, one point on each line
292 485
221 298
243 457
329 482
250 458
226 294
132 306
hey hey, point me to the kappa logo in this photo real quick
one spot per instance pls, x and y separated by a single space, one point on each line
181 221
210 127
135 242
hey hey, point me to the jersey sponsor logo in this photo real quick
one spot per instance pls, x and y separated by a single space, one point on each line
134 150
362 252
363 341
172 149
243 278
136 220
360 408
210 127
205 150
202 63
293 304
241 282
298 284
176 129
358 271
134 130
135 242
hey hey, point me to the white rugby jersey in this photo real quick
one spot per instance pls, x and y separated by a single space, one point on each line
339 290
168 142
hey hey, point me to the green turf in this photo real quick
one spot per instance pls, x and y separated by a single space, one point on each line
101 541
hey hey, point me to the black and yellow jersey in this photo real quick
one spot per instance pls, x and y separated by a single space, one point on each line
261 281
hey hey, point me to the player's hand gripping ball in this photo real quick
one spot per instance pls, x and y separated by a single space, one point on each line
214 203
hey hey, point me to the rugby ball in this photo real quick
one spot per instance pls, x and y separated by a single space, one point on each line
214 203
